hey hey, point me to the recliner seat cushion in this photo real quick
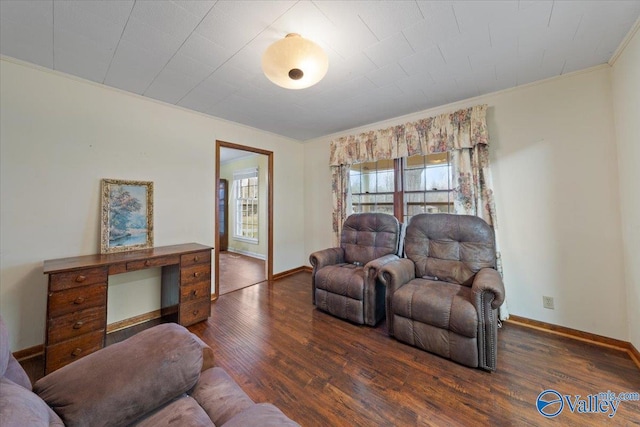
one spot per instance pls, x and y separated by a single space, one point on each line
342 279
440 304
340 291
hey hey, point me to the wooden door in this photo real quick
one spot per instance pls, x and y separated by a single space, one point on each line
223 200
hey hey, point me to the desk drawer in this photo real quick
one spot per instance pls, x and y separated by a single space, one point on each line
75 324
195 274
62 354
194 311
195 258
153 262
73 279
194 292
77 299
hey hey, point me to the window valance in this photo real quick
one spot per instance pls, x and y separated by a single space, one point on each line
464 128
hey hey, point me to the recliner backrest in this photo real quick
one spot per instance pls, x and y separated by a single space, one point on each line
367 236
450 247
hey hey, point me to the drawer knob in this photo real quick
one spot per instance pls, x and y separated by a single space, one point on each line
81 278
194 292
78 325
195 312
76 352
197 274
79 300
196 258
147 263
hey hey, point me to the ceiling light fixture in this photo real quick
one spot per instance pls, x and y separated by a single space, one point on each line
295 62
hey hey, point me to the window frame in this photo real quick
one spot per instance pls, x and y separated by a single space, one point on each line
400 202
240 202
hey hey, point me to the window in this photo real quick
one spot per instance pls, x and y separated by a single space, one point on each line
245 184
372 186
403 187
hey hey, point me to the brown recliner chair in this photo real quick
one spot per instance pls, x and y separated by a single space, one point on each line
344 279
443 298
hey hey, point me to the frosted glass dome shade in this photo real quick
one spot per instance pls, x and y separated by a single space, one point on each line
295 62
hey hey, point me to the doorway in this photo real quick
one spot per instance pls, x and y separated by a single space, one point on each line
242 256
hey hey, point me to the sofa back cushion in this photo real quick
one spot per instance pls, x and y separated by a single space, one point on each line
124 381
9 366
450 247
21 407
367 236
5 353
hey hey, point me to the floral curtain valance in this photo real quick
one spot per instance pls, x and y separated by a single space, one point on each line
452 131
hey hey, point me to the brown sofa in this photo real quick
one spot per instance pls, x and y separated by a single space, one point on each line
159 377
444 296
345 279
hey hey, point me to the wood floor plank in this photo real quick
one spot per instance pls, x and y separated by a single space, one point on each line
323 371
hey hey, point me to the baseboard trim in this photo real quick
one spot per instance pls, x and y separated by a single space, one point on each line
247 253
287 273
588 337
29 353
136 320
634 354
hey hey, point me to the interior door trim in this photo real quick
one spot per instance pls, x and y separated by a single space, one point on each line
269 264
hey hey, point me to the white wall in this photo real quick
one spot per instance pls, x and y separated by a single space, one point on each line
60 135
626 107
554 167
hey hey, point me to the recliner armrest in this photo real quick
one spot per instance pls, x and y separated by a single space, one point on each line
396 273
372 267
326 257
489 280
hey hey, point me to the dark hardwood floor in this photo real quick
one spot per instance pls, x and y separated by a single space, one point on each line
323 371
238 271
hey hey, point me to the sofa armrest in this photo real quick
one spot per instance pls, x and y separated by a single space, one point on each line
488 280
208 358
326 257
122 382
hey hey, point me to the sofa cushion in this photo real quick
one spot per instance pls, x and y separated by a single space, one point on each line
9 366
183 412
16 373
263 415
5 353
20 407
220 396
122 382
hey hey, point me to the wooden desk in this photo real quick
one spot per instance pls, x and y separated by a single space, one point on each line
77 297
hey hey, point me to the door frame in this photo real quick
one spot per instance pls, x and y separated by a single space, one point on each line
269 263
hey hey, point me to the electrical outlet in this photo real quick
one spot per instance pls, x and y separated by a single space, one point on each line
547 302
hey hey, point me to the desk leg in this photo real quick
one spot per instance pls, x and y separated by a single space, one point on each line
170 296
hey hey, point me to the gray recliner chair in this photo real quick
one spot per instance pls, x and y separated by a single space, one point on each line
345 279
443 298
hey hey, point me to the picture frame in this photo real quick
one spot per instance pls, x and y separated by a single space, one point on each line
126 215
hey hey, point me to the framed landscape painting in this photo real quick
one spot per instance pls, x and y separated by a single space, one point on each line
127 215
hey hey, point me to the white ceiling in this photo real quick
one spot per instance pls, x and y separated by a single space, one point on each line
386 58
